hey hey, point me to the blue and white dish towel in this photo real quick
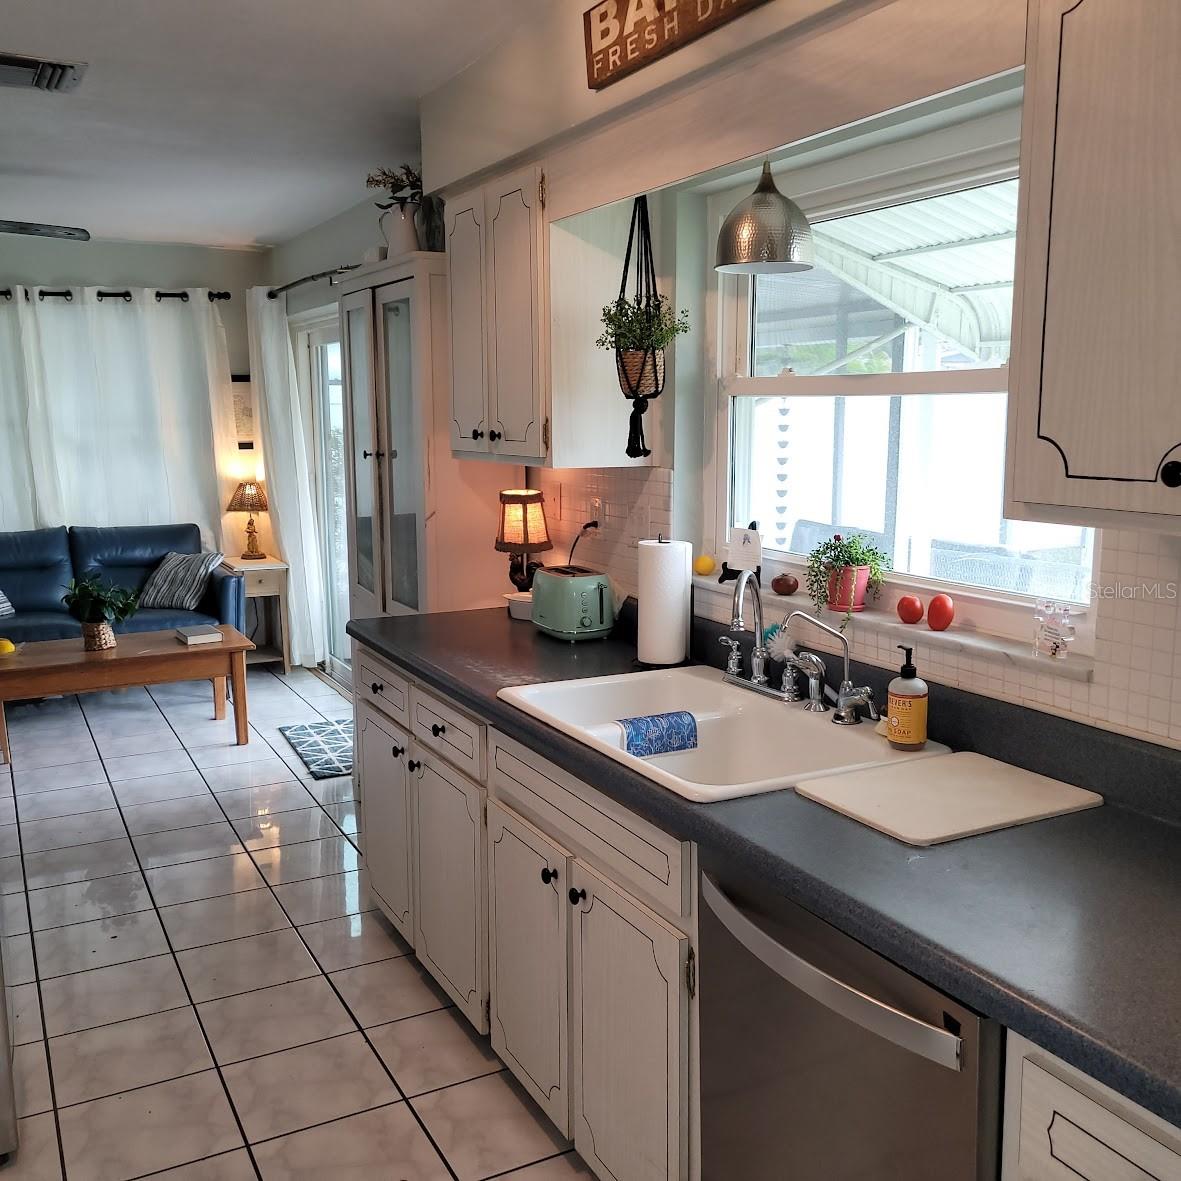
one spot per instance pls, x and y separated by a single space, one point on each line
659 734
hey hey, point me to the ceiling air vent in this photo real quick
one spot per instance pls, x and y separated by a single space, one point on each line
25 72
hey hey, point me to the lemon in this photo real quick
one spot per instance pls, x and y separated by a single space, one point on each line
6 647
703 564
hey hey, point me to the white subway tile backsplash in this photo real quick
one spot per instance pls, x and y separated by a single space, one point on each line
1137 680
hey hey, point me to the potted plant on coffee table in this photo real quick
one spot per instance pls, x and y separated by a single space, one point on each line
97 608
842 571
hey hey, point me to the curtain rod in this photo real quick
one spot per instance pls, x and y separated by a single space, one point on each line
343 269
67 294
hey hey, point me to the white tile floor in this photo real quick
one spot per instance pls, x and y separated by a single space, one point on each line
200 986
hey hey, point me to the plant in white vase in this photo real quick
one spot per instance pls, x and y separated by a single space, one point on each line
404 186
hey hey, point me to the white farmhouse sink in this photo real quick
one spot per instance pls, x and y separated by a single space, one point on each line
746 743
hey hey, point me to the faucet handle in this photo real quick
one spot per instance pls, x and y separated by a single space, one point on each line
734 659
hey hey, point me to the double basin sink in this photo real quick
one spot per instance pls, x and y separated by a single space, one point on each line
746 743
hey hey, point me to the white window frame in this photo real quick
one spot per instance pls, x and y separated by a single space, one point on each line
308 329
986 612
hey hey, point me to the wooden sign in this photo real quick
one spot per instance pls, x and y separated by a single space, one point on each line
623 36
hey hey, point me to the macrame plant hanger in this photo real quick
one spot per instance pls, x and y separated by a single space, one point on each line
642 385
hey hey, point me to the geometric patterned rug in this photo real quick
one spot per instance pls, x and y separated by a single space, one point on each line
325 748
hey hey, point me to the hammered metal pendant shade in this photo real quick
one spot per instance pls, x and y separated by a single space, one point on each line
765 233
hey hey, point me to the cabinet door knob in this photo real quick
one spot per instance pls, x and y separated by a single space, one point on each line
377 687
549 875
576 896
495 436
366 454
399 751
1170 474
477 434
413 765
438 731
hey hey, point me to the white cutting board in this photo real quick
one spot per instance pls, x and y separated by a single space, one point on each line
928 801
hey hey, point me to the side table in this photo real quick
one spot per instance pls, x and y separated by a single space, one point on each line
267 579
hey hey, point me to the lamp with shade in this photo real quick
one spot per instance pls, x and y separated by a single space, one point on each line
523 531
249 497
765 234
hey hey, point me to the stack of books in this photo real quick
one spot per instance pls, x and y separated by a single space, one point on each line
202 633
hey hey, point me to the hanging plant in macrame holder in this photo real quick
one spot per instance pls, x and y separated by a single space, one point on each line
639 327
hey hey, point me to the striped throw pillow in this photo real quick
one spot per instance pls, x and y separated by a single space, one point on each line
6 608
179 581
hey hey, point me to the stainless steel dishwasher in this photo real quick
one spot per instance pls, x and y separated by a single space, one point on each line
822 1061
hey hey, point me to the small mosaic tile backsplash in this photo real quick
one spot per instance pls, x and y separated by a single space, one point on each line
1137 680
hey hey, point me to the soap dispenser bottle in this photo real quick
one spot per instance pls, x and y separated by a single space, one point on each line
906 710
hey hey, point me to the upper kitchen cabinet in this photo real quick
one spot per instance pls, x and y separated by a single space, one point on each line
526 295
1095 415
496 246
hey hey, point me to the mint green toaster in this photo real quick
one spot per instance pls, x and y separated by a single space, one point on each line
573 603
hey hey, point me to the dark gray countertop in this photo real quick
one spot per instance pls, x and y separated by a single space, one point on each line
1067 931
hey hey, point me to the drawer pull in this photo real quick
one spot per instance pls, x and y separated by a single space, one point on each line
398 751
549 875
413 765
577 896
377 687
438 731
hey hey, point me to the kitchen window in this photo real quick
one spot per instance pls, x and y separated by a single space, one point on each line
870 398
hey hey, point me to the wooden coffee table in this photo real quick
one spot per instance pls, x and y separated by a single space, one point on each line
47 667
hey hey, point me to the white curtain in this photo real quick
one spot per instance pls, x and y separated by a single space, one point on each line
113 411
286 447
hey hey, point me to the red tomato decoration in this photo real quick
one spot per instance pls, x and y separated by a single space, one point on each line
940 613
785 584
910 608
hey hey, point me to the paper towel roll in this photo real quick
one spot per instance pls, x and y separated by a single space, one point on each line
666 583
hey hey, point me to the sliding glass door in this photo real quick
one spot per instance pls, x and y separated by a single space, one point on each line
328 408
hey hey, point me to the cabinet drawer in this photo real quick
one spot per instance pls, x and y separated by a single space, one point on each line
634 852
443 729
263 582
375 682
1066 1135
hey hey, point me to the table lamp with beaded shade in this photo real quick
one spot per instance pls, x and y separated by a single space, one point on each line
249 497
522 531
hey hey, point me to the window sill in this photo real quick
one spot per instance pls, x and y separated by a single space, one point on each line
959 639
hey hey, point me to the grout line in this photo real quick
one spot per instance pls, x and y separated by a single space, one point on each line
186 1165
381 1061
192 1004
61 1151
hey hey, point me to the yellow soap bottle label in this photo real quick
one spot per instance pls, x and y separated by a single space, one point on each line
906 719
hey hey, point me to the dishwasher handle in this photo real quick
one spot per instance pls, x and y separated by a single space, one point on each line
928 1041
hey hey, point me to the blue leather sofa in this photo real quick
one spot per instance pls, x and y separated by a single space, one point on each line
36 566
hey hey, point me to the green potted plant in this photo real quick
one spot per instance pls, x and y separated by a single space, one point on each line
404 187
842 571
639 331
97 607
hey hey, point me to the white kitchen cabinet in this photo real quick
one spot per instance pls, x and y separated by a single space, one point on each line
450 917
469 377
495 242
412 508
1061 1125
1095 420
529 925
630 1035
384 782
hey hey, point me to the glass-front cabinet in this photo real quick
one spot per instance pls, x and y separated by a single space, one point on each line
387 488
364 456
421 524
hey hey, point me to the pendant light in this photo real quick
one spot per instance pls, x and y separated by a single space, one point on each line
765 233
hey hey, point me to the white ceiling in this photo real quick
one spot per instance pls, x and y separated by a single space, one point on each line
220 122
